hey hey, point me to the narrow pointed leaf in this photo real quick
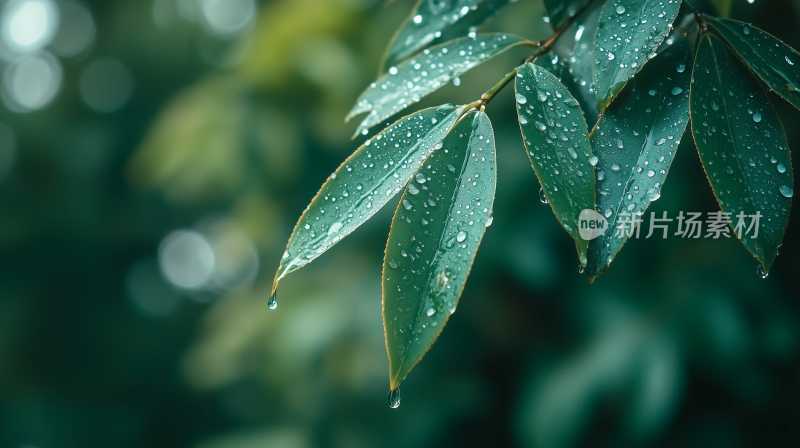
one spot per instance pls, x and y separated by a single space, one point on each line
628 35
556 139
407 83
635 143
743 147
435 234
560 10
364 183
579 55
433 22
770 58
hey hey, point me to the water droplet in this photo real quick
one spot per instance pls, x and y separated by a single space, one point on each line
456 81
394 398
273 301
521 98
781 168
680 68
610 56
786 191
418 19
614 167
620 9
523 119
393 264
451 168
541 96
461 236
789 60
677 91
540 126
593 160
661 141
430 312
581 269
729 170
757 117
761 271
421 178
651 173
489 221
620 143
542 196
392 71
747 29
407 204
412 189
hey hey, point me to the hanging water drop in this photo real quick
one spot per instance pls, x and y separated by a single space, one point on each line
273 301
762 272
581 269
394 398
542 197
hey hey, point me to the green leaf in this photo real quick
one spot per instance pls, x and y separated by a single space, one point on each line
628 35
407 83
435 234
742 146
556 139
563 71
723 7
364 183
770 58
560 10
635 142
433 22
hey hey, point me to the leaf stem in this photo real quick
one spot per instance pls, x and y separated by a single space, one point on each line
541 46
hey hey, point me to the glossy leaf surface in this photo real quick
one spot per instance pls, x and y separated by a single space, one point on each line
407 83
556 139
364 183
770 58
435 234
635 143
435 21
628 35
743 147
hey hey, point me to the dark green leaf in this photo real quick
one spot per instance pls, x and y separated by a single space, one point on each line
560 10
364 183
433 22
635 143
628 35
563 71
770 58
407 83
742 146
556 138
435 234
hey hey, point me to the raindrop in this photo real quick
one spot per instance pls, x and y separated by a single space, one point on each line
610 56
522 119
614 167
461 236
417 20
786 191
412 189
789 60
541 96
677 91
620 9
581 269
421 178
394 397
521 98
681 67
540 126
273 301
542 197
729 170
757 117
781 168
393 264
761 271
661 141
593 160
430 312
407 204
651 173
456 81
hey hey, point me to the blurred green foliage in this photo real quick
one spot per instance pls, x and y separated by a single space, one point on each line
681 343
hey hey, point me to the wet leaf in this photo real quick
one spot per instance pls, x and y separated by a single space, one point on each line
560 10
435 234
565 74
628 35
742 146
364 183
770 58
635 143
407 83
556 139
434 22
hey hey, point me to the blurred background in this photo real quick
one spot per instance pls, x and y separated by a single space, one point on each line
154 158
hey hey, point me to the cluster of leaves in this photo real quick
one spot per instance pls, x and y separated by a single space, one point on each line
651 68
